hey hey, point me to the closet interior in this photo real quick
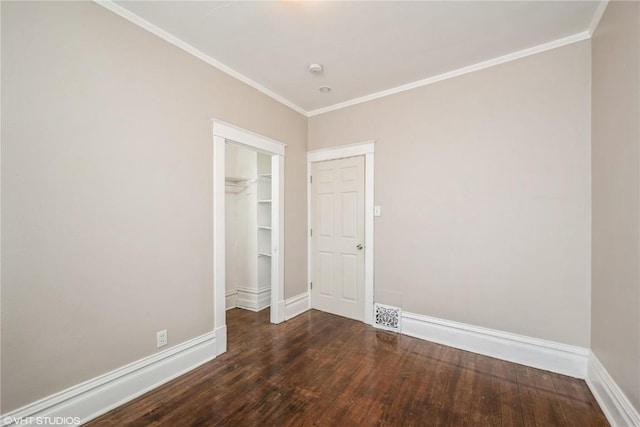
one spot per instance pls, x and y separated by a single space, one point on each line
248 228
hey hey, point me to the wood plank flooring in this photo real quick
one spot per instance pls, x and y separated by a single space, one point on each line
324 370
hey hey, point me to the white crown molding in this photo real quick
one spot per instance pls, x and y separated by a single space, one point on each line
613 402
143 23
538 353
455 73
597 16
99 395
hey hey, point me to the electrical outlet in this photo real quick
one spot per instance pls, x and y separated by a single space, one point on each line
161 338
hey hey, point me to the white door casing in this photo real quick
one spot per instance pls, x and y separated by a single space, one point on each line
366 149
337 209
223 133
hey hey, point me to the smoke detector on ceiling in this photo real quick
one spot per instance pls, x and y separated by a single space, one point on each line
315 68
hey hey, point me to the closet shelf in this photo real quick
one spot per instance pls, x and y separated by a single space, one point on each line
264 254
264 201
264 227
265 175
234 188
236 178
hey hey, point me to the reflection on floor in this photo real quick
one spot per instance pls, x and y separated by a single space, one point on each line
324 370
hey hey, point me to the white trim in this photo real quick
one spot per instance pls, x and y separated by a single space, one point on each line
538 353
143 23
341 151
277 239
297 305
369 260
219 229
597 17
244 137
253 299
222 133
613 402
221 340
455 73
231 299
99 395
367 150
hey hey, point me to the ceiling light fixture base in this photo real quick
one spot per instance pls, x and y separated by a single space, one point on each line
315 68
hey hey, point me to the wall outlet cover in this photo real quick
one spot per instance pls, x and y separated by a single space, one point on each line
161 338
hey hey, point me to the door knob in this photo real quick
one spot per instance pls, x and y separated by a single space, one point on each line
359 246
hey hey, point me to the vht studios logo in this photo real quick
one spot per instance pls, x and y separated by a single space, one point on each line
41 421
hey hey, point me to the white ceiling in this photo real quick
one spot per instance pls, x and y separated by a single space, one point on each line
365 47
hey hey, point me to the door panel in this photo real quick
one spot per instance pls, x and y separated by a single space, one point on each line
337 211
326 274
350 277
325 215
350 215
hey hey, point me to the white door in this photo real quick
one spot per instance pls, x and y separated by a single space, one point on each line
337 237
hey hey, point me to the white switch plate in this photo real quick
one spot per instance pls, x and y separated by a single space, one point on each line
377 210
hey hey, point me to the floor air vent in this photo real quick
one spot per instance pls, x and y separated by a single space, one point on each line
387 317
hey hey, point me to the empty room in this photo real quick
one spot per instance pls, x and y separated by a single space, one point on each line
320 213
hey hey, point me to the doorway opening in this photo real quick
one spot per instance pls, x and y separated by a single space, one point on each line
252 165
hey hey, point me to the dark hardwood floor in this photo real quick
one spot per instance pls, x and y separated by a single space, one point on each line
324 370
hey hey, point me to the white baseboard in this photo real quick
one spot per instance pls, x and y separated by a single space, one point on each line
613 402
253 299
548 355
231 299
99 395
297 305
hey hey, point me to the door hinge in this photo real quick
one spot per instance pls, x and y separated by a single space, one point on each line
311 285
311 232
311 179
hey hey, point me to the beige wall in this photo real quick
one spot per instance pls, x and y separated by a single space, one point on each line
615 335
484 186
107 192
484 181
